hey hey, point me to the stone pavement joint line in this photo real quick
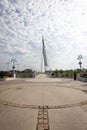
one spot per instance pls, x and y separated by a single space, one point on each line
43 119
6 103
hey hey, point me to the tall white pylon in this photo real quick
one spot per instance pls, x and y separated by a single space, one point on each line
44 63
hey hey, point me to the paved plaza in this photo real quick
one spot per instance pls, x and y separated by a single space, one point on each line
43 103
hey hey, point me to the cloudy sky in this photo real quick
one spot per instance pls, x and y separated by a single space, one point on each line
63 24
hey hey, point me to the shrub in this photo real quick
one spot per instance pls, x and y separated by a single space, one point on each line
5 76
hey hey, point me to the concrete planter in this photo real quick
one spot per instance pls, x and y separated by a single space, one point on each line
83 79
1 79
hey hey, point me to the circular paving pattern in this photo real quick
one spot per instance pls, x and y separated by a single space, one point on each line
17 91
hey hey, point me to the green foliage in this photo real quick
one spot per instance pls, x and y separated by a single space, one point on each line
64 73
61 71
56 71
5 76
77 70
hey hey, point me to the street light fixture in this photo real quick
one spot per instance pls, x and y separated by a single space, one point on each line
13 67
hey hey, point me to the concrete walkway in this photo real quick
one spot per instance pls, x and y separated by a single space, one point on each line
41 76
64 101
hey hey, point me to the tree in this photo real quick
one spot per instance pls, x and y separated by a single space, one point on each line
56 72
80 62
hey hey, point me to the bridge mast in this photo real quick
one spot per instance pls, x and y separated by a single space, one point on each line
44 63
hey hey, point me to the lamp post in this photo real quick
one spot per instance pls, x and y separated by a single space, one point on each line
13 67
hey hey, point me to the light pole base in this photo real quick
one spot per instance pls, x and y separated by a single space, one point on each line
14 76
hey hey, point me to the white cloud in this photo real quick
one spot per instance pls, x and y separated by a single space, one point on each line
62 22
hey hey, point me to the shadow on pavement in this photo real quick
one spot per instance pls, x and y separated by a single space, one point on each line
85 85
84 91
